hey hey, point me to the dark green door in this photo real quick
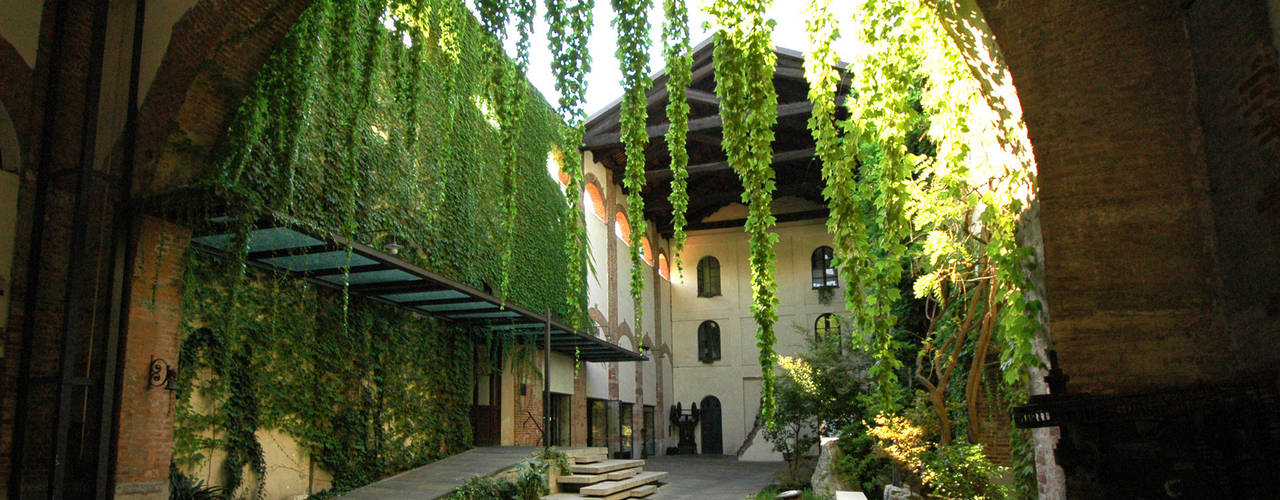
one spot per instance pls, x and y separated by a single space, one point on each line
712 438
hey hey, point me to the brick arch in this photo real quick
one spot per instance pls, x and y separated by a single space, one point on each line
594 190
622 225
623 331
214 55
598 317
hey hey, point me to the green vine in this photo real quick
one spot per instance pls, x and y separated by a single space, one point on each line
631 20
368 122
679 60
570 27
744 63
907 194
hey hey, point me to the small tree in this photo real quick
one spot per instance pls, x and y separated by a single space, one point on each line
820 390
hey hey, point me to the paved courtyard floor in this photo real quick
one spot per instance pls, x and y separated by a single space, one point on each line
689 477
438 479
711 477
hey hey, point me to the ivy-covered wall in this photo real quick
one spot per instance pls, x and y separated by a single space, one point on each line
375 119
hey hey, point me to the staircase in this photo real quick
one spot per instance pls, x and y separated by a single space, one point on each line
597 477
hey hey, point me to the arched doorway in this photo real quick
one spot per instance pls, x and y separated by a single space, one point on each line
712 437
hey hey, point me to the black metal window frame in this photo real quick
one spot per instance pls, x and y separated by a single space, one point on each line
823 269
709 277
708 341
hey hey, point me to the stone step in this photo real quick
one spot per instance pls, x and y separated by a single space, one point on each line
609 488
574 480
586 451
606 466
640 492
624 473
583 478
589 459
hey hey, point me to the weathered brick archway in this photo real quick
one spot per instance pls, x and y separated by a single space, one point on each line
79 249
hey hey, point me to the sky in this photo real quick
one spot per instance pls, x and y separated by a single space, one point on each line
603 85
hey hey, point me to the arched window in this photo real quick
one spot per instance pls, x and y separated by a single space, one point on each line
708 277
824 271
827 324
708 341
594 200
664 269
622 227
646 250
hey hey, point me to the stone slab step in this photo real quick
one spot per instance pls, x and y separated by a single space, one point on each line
608 488
640 492
589 459
606 466
643 491
583 478
624 473
586 451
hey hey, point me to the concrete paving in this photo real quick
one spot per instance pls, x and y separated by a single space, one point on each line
689 476
711 477
437 479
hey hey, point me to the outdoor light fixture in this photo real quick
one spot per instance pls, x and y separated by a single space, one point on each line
162 375
392 248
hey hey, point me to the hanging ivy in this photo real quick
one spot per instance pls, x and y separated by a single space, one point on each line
631 20
744 63
679 60
567 35
906 193
370 121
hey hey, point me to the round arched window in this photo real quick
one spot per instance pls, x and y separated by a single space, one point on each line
708 277
708 341
827 325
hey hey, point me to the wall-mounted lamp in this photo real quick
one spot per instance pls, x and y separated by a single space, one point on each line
392 248
162 375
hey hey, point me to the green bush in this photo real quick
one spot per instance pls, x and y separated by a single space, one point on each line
859 464
961 471
184 487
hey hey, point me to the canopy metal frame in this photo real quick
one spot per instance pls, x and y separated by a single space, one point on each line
334 262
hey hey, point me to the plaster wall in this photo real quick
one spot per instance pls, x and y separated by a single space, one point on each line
20 26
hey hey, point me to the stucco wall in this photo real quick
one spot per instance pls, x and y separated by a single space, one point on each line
734 379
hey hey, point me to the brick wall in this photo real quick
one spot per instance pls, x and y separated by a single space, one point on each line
145 443
1238 83
527 428
1108 95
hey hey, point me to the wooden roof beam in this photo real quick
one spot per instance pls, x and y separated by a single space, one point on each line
601 141
784 156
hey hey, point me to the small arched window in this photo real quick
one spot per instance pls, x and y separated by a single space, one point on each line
827 324
594 200
708 277
646 250
664 269
824 270
708 341
622 227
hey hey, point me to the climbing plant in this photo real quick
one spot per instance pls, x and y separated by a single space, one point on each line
908 194
631 20
679 60
744 63
371 121
567 34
